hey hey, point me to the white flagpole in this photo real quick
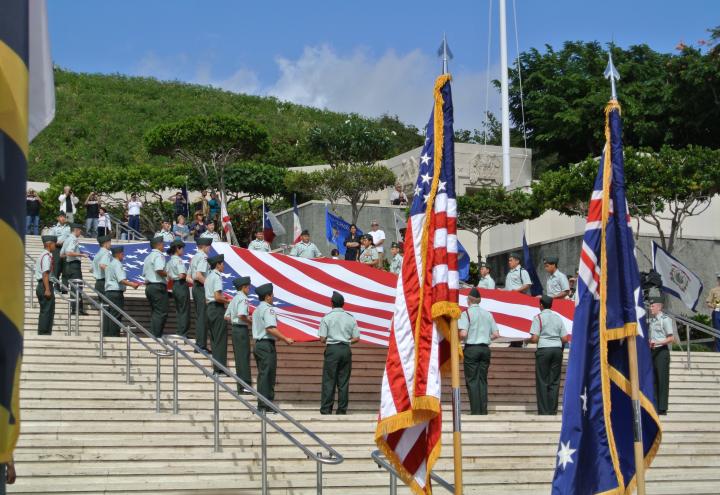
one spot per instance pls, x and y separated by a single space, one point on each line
505 97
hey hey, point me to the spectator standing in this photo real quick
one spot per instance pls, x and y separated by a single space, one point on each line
68 203
197 227
202 206
398 197
92 213
180 230
32 220
352 244
214 205
104 226
378 237
713 302
133 212
179 204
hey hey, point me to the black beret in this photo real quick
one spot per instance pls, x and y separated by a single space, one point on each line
395 245
240 282
653 300
305 232
553 260
482 264
204 241
474 292
337 299
368 237
49 238
177 243
157 240
263 290
77 226
117 249
516 256
214 260
546 301
104 238
61 214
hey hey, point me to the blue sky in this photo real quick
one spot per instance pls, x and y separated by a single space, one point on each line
370 57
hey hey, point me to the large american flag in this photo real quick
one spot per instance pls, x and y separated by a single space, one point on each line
303 288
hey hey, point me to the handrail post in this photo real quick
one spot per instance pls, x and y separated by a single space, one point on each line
263 453
157 383
175 381
687 336
69 312
127 361
77 308
393 484
102 330
216 415
319 480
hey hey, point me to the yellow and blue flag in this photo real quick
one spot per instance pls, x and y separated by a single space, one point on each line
14 77
595 452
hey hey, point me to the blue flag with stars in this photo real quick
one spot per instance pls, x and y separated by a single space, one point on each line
595 452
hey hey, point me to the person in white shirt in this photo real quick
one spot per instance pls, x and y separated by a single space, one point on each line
104 224
133 211
68 203
398 197
378 237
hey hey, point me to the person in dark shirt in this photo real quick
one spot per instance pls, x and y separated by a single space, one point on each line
32 220
352 244
92 212
179 205
197 226
214 205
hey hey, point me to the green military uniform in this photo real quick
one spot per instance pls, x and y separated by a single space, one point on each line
396 264
61 231
181 293
368 255
216 316
339 327
548 359
239 306
258 245
166 235
156 290
115 292
661 327
557 283
72 267
305 250
44 263
480 326
264 352
516 278
486 282
198 264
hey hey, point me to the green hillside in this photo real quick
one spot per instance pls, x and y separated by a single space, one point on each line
101 119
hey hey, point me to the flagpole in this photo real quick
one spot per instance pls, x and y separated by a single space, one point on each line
612 74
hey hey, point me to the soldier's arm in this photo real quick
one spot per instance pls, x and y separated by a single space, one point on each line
219 297
355 333
278 334
46 284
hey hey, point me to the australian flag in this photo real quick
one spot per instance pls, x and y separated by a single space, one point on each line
595 453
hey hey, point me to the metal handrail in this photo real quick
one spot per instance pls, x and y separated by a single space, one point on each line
382 463
126 227
691 324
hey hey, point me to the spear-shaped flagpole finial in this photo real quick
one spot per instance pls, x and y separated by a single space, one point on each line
612 74
445 53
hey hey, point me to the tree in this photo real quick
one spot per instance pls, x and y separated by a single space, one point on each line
491 133
664 188
343 182
246 181
491 206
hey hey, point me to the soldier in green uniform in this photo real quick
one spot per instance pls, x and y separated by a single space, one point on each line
238 314
265 332
156 286
518 278
557 285
338 330
396 258
61 230
368 254
661 337
72 269
485 281
477 328
43 291
548 332
181 293
259 243
101 261
215 300
305 248
165 232
196 274
115 283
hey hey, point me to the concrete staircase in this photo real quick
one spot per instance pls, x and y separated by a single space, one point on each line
86 431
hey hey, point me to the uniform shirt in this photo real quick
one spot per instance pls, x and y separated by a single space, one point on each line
238 307
263 317
396 264
486 282
258 245
176 268
550 327
378 235
62 231
198 263
166 235
114 274
516 278
213 283
305 250
212 235
339 327
661 326
479 323
154 261
71 245
43 264
714 298
368 255
557 283
103 257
